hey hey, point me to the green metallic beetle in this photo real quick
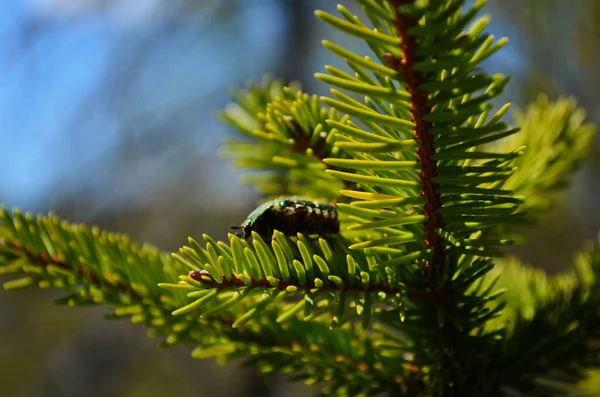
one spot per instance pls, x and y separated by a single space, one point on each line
290 215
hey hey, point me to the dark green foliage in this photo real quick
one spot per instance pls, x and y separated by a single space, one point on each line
554 325
407 300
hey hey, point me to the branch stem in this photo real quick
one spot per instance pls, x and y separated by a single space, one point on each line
405 66
204 277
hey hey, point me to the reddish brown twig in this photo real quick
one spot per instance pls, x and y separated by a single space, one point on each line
419 108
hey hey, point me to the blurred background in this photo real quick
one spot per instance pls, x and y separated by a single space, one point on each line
107 115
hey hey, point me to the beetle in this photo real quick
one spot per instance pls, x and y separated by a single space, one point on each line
290 215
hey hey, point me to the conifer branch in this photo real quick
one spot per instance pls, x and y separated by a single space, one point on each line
42 254
204 277
405 66
90 267
303 144
44 261
289 139
400 297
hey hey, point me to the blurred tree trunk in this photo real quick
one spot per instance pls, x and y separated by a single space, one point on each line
298 42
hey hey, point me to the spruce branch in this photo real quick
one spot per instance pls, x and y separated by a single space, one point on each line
405 299
428 190
325 274
99 268
442 122
288 140
94 267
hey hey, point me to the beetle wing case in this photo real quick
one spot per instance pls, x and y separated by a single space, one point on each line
290 216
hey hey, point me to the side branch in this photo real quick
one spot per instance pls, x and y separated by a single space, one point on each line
43 260
419 108
302 142
204 277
